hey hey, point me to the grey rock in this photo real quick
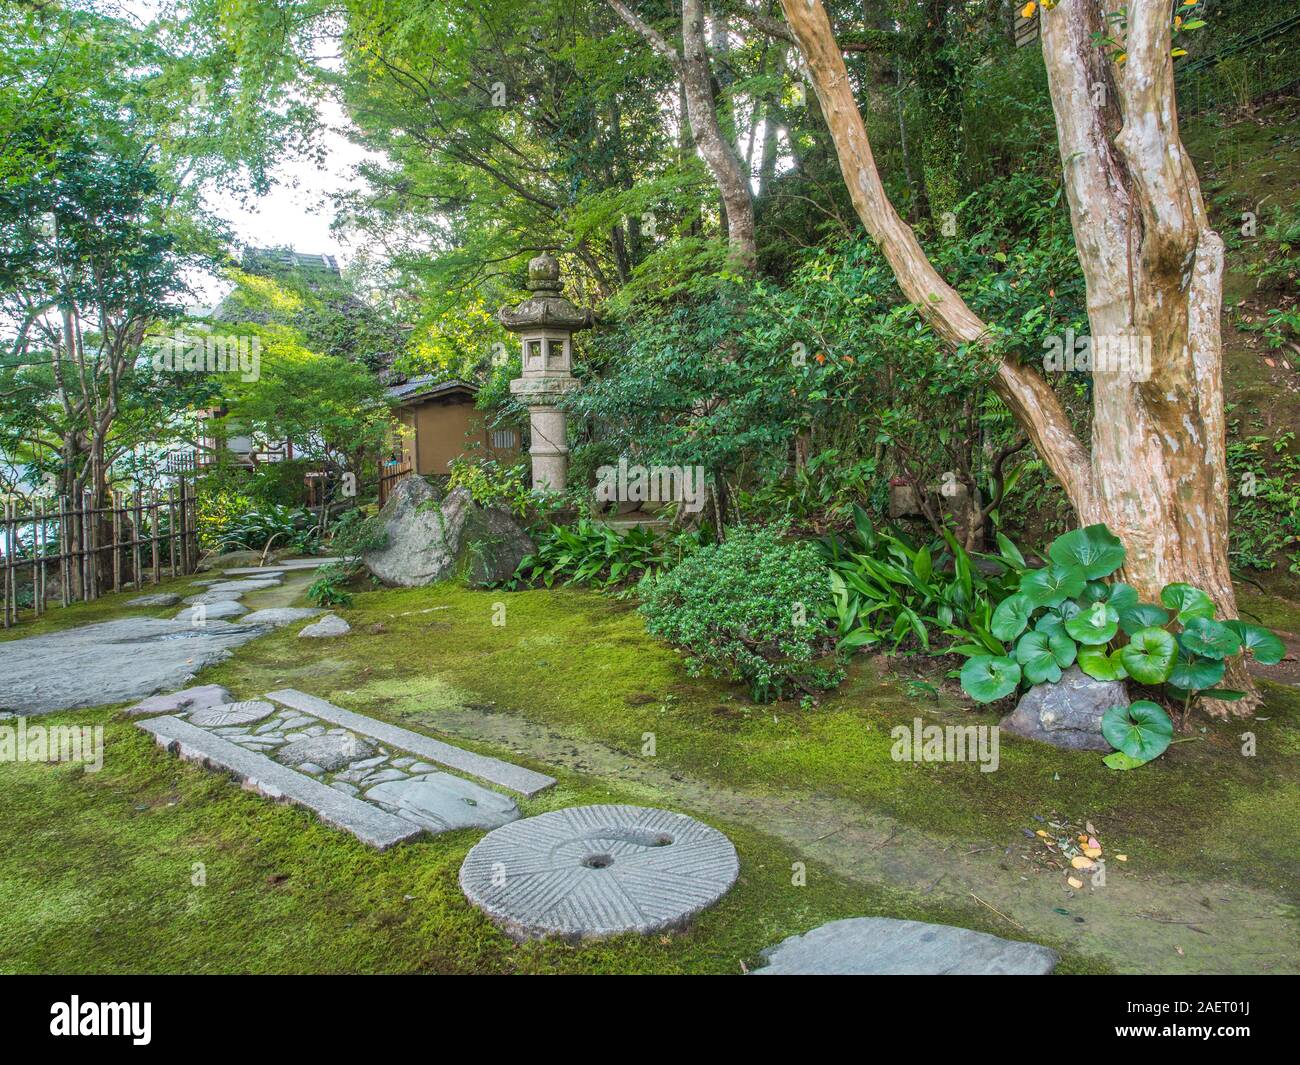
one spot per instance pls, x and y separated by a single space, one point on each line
343 786
240 587
270 726
594 871
282 567
442 802
1068 713
381 776
329 625
297 721
369 763
241 713
282 615
328 752
218 611
110 662
310 767
493 770
369 823
177 702
315 730
428 541
422 767
160 599
209 598
404 762
884 946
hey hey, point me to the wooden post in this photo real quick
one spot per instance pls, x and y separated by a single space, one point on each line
117 542
171 527
153 536
136 574
64 531
89 590
40 537
8 561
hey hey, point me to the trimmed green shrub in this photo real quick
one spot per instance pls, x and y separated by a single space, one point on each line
755 608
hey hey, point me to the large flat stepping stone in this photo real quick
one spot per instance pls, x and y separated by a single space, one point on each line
329 625
177 702
209 597
594 871
493 770
277 616
160 599
255 771
281 567
442 802
239 587
214 611
110 662
329 752
885 946
224 715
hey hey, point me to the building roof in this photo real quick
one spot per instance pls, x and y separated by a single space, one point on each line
427 387
296 260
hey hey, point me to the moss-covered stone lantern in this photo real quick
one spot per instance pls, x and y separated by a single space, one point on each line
546 322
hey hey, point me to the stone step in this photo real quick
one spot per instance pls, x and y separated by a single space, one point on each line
255 771
280 567
493 770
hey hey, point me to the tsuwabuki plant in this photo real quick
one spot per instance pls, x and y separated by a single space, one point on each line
1066 613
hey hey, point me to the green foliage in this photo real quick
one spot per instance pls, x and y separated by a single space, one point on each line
283 528
755 608
329 587
587 553
885 587
1076 616
493 484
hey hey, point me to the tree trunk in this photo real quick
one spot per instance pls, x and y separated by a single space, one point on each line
1156 473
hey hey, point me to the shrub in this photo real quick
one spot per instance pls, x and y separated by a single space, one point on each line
754 608
1066 613
329 587
587 553
491 484
284 528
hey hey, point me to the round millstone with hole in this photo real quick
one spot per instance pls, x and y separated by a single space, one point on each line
593 871
244 713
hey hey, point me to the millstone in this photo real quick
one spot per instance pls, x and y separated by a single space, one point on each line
243 713
594 871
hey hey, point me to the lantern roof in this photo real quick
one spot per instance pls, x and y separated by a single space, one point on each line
546 308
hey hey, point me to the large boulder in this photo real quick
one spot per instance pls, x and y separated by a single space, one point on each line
1068 713
430 541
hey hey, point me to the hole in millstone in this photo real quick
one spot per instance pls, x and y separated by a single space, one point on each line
662 840
598 861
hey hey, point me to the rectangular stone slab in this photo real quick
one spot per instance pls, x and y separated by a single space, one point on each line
367 822
493 770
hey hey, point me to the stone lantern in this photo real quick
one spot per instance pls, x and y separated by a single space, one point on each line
546 322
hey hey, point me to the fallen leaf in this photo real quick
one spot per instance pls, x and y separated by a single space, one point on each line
1082 863
1121 857
1076 884
1040 832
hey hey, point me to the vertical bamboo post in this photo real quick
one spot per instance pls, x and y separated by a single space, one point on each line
39 537
137 574
64 531
171 527
8 562
89 590
153 536
117 538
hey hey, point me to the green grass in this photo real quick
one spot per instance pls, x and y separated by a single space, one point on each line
97 870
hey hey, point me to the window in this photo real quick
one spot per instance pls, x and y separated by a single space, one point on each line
503 439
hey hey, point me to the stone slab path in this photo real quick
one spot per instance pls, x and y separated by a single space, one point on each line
367 822
884 946
494 770
594 871
334 762
281 567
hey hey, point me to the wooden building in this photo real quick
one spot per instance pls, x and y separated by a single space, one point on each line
441 423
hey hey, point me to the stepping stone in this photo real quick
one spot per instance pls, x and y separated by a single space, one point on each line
161 599
217 611
281 615
343 786
282 566
381 776
443 802
209 597
493 770
884 946
242 713
328 752
595 871
176 702
240 587
369 823
329 625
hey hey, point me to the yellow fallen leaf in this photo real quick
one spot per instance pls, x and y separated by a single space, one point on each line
1092 852
1040 832
1083 839
1080 862
1121 857
1028 9
1076 884
1178 51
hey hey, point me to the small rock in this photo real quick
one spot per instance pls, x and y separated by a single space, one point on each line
1068 713
328 752
329 625
310 767
178 702
160 599
283 615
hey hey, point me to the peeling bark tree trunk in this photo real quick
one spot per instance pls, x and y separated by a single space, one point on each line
1156 473
692 67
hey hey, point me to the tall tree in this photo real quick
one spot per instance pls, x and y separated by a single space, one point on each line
1156 471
